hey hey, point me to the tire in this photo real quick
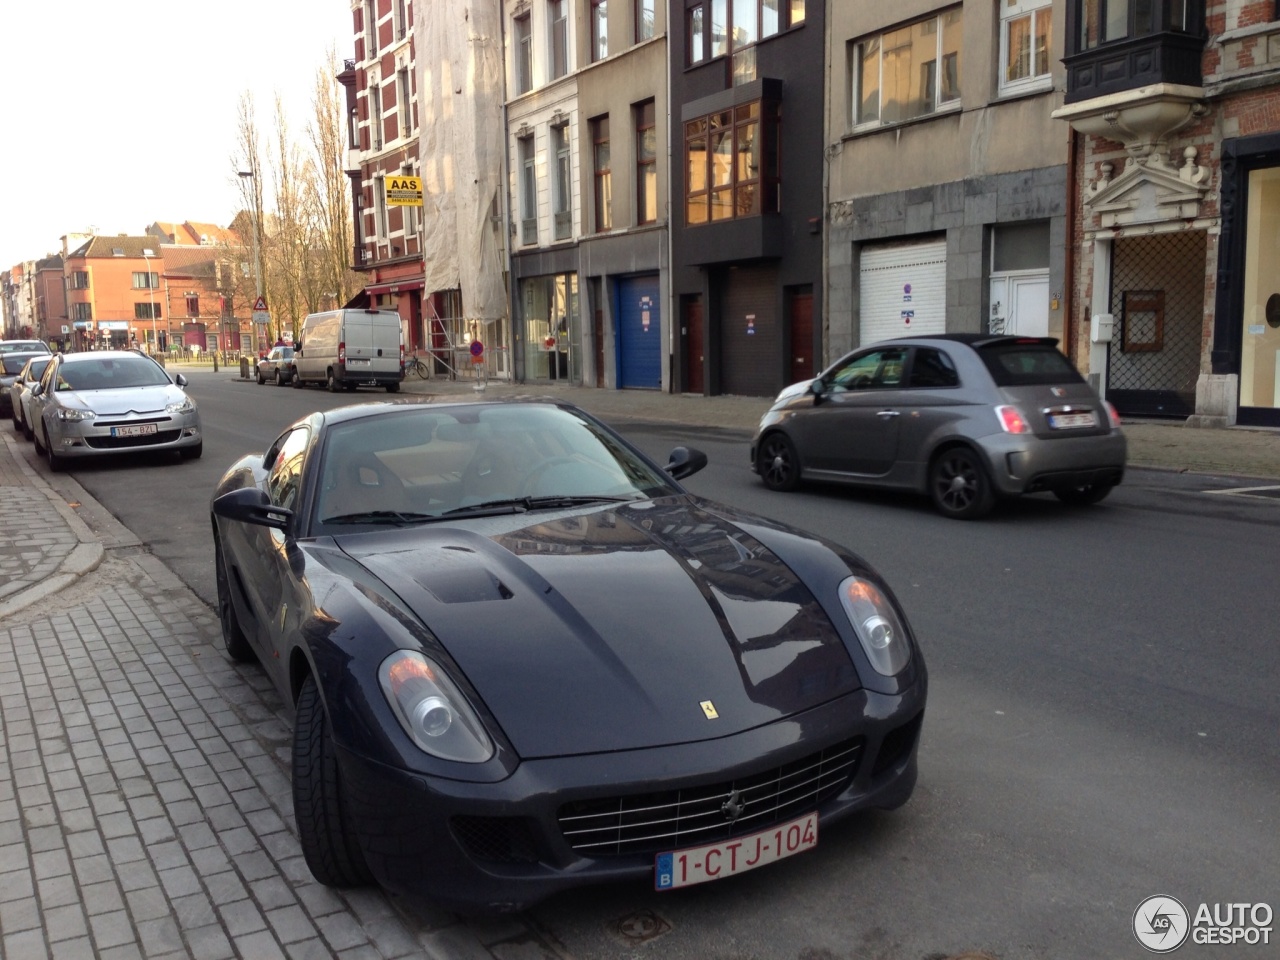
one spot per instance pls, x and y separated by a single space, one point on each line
295 381
233 638
324 821
1084 495
778 463
261 378
332 383
56 463
27 431
393 388
421 368
192 453
279 379
959 485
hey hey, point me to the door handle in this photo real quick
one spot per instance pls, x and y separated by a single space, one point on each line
887 414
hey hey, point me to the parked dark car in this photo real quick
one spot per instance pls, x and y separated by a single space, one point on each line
524 658
277 366
964 418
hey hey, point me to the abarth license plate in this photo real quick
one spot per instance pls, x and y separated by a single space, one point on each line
684 868
136 430
1068 421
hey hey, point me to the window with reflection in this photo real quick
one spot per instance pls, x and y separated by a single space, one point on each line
907 73
646 163
731 165
1025 36
1106 21
644 19
715 28
599 29
603 174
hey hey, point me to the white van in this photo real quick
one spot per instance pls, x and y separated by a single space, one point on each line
344 349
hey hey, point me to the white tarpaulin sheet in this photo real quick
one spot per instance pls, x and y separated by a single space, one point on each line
462 156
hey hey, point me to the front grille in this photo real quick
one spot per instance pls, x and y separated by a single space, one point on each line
655 822
123 443
496 839
130 423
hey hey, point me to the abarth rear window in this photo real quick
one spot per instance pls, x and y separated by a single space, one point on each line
1020 364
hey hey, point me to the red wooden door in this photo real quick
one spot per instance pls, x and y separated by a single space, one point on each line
800 307
695 351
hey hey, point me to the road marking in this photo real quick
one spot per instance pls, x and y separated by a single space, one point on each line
1255 493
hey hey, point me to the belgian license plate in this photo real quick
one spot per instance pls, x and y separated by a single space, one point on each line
684 868
136 430
357 362
1066 421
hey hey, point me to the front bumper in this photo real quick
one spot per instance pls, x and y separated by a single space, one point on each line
1020 463
93 438
499 847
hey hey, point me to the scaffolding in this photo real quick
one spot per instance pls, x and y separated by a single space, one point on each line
449 342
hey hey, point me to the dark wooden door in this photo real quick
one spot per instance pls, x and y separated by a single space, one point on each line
695 351
800 308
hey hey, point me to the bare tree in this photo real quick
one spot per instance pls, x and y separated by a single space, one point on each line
328 134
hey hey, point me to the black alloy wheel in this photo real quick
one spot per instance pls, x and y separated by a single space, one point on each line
325 822
777 463
233 638
1085 494
959 484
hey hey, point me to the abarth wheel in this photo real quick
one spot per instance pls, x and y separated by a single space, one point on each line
959 485
320 808
1085 494
233 638
777 463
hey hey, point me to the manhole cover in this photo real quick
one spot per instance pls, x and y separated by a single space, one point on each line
641 927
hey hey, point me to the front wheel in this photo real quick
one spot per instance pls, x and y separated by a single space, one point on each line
193 452
320 807
959 484
777 463
279 379
233 638
1085 494
421 368
56 463
261 378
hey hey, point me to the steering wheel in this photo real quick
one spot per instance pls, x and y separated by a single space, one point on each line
587 477
860 382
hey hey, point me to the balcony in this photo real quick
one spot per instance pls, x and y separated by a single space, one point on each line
1114 46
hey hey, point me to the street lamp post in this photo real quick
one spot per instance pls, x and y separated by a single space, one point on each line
147 254
257 225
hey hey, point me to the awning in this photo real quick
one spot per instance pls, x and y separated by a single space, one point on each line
377 289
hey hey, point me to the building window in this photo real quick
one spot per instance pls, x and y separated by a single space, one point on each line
1103 21
380 208
599 29
562 197
1024 44
375 116
193 306
146 311
644 19
82 311
370 29
406 105
896 76
528 192
402 19
559 38
736 28
524 54
603 174
146 281
731 164
80 280
646 164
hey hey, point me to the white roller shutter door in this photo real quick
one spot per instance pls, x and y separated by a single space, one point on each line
902 291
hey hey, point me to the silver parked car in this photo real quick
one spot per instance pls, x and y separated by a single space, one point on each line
11 365
965 418
19 390
24 346
277 366
111 401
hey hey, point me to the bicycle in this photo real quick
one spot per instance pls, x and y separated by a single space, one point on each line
415 366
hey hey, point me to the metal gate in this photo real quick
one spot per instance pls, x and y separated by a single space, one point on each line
1157 300
639 333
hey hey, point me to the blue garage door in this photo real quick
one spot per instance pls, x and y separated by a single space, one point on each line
639 333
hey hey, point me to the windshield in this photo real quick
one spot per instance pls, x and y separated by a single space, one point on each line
23 346
14 362
420 465
110 373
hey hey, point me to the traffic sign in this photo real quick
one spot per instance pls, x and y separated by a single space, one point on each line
477 348
260 305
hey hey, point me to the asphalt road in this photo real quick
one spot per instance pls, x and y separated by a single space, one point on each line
1101 727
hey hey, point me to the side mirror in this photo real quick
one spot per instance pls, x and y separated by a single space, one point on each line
297 348
685 462
180 380
251 505
37 390
819 389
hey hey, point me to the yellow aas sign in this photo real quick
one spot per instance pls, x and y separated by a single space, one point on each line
404 191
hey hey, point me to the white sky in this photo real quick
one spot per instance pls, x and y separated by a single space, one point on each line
122 113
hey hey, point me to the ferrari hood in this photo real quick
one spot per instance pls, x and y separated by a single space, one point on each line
618 628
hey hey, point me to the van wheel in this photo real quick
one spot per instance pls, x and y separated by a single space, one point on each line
393 388
332 384
295 381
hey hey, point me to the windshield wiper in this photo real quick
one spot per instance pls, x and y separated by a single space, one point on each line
523 504
382 516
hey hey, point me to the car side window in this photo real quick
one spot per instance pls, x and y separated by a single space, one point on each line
867 371
933 368
285 475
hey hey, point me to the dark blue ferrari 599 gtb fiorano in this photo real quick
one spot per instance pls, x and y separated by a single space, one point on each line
524 658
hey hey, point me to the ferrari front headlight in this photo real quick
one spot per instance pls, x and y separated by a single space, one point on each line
877 624
432 711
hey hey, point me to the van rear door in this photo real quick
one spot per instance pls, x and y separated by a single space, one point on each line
373 344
